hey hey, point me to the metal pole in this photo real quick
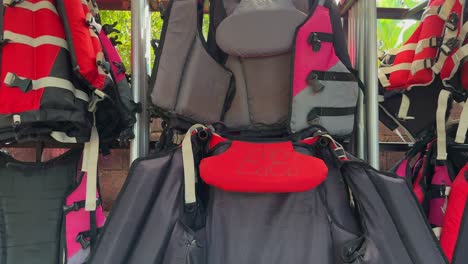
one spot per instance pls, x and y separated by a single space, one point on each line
371 100
140 14
357 13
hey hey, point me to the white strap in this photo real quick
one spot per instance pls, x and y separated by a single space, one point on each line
407 47
189 166
463 125
90 161
49 82
63 137
442 106
425 43
419 65
437 231
460 55
446 9
430 11
35 42
91 21
33 6
404 108
383 71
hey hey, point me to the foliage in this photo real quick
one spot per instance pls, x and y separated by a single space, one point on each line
393 33
124 19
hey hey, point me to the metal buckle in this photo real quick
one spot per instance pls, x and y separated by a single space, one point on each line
428 63
83 241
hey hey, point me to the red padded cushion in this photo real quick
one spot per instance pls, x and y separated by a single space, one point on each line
454 214
263 168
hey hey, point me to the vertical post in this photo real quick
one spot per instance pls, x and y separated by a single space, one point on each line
371 64
359 39
140 14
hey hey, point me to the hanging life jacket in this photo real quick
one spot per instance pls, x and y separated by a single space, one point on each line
432 50
38 94
256 78
54 74
52 195
455 229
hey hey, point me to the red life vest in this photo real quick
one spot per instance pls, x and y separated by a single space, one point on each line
434 48
454 213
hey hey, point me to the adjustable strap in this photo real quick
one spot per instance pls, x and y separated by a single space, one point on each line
430 11
189 166
462 130
404 108
85 238
90 159
12 2
433 42
452 34
34 7
314 78
12 37
384 71
26 85
315 39
419 65
76 206
442 106
331 111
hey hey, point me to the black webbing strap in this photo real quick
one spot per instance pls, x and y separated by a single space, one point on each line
331 76
85 238
76 206
317 112
315 39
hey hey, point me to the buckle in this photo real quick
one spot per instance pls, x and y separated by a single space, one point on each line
428 63
120 67
104 65
14 3
109 29
435 42
115 41
450 45
13 80
314 83
81 238
452 22
97 97
314 41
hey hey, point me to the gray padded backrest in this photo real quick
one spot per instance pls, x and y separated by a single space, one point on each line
259 28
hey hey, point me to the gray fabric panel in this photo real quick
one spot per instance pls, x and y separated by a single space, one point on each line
268 228
391 215
238 115
268 87
276 20
335 94
130 211
204 87
80 257
164 213
179 37
230 5
184 247
303 5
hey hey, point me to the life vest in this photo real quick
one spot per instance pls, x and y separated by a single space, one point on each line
37 85
208 222
454 233
433 49
51 194
258 79
58 85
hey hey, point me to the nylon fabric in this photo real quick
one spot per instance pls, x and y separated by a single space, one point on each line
33 191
